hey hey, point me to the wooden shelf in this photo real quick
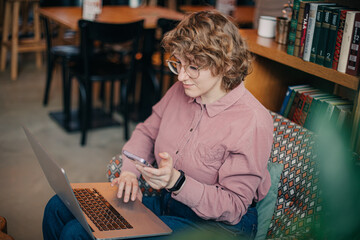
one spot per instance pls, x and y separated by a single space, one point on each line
268 48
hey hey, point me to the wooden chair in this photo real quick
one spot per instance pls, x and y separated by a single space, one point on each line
94 68
159 58
35 44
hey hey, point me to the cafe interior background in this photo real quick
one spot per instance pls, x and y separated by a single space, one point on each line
24 190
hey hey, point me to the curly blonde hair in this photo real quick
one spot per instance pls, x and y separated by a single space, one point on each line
211 41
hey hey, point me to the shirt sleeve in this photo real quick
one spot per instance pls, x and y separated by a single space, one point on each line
239 177
144 135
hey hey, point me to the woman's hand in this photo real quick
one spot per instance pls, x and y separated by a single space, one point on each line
163 177
128 186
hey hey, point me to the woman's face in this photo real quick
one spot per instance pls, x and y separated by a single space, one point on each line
206 86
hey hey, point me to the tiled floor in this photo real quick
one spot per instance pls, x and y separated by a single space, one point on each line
24 190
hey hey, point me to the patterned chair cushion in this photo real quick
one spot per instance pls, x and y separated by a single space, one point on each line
298 205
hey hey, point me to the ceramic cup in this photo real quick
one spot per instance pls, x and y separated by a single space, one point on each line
267 26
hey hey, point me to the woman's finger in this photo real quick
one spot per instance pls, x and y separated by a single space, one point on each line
127 192
135 189
120 189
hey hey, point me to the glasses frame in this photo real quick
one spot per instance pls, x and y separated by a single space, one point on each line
175 71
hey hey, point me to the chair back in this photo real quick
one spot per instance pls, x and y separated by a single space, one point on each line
60 3
165 25
93 34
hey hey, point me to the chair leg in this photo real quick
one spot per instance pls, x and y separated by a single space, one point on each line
125 113
82 113
87 113
111 98
66 94
102 94
49 72
5 35
15 41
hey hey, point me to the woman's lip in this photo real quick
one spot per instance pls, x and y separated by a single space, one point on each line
187 85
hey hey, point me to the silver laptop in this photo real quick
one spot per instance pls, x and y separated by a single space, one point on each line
131 219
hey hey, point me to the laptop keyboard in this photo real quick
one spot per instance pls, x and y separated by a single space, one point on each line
99 210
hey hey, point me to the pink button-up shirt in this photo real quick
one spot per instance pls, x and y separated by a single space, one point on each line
222 147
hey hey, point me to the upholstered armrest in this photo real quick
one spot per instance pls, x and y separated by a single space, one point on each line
299 202
114 169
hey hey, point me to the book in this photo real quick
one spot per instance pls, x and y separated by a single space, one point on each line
300 26
310 29
307 106
336 113
291 98
304 26
352 67
339 37
343 122
292 28
287 97
300 106
313 119
330 106
296 100
324 34
330 113
346 40
317 32
331 39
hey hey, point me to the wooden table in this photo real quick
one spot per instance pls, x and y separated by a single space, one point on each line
243 15
69 17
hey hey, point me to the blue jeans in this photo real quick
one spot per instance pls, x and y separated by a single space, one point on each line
59 223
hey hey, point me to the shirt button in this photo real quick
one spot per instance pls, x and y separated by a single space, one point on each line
191 129
177 152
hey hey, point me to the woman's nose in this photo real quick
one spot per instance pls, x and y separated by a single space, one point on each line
182 76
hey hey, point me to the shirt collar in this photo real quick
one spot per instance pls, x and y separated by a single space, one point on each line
223 103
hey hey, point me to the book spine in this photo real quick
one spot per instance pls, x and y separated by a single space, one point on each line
292 29
324 32
339 37
288 106
304 29
345 45
330 48
305 110
344 120
310 32
354 54
299 108
285 102
309 121
299 29
315 43
294 105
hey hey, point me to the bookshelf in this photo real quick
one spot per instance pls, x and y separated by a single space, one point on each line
269 49
274 70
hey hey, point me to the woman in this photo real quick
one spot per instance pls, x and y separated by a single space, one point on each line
209 136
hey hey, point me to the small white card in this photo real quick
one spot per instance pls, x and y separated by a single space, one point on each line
91 8
226 7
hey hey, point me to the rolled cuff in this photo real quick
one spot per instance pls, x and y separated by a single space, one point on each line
191 193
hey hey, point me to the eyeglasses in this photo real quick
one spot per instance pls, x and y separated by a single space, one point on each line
191 70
